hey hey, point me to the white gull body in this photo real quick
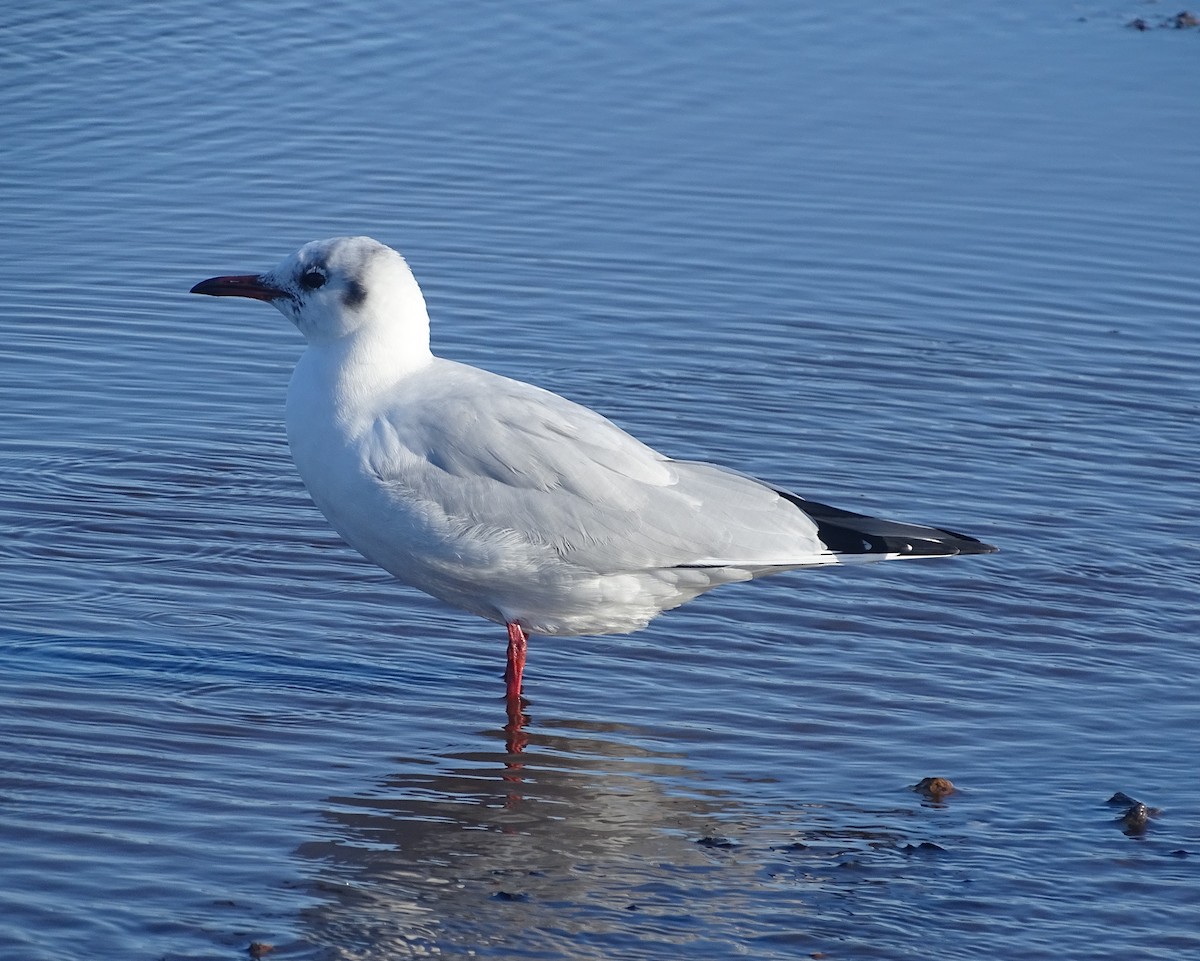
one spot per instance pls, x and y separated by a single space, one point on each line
507 500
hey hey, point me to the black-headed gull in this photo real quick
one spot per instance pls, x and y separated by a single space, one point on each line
507 500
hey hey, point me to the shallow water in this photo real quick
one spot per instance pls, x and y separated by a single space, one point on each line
931 264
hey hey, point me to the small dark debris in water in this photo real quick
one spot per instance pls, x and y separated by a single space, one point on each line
1136 817
513 873
1181 853
632 907
510 896
1184 20
1121 799
259 949
818 955
925 847
716 841
792 846
934 788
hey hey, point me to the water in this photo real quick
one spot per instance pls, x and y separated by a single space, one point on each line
928 262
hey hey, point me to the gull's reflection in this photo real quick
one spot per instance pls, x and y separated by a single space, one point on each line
544 835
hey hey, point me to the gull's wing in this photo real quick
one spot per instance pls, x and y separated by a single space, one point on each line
496 458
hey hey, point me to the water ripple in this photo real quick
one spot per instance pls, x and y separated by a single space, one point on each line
933 264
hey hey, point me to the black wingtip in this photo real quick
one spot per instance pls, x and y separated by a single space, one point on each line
972 545
845 532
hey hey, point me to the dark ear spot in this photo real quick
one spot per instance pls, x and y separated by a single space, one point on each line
355 294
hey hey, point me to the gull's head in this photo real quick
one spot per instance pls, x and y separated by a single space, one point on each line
331 289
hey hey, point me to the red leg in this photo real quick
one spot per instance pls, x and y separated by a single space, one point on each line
515 670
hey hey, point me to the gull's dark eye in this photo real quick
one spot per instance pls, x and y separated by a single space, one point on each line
312 279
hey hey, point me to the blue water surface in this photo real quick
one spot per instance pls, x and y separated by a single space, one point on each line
928 261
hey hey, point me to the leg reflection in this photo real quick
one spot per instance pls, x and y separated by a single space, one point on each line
515 737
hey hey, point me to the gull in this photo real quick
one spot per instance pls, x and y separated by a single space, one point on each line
507 500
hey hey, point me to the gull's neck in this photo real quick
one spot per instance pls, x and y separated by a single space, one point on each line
356 369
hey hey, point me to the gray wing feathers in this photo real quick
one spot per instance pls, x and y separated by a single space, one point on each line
499 455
